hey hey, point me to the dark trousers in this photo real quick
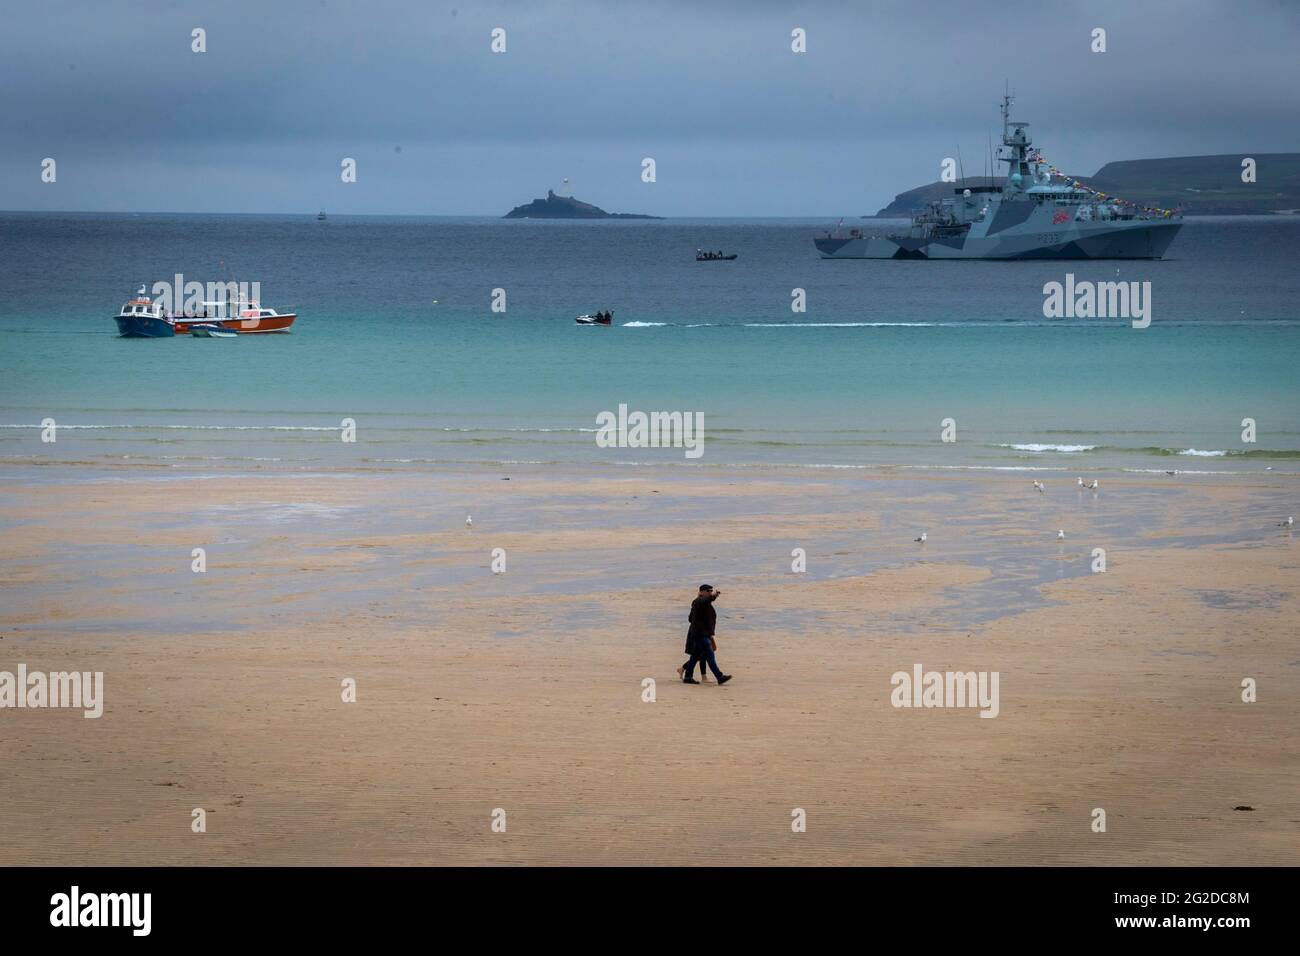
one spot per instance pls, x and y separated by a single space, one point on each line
702 654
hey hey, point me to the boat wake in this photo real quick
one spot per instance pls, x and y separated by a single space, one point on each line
785 325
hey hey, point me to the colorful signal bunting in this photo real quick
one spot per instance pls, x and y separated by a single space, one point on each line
1149 210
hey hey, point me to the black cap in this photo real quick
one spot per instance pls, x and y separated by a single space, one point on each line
706 587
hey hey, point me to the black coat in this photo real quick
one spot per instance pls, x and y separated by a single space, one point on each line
704 621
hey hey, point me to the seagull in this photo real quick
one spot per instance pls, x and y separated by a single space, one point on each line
921 539
1060 536
1093 486
469 521
1038 486
1287 523
1080 481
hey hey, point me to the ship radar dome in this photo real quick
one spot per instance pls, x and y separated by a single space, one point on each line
1015 178
966 193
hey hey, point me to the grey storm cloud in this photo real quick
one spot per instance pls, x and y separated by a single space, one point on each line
738 123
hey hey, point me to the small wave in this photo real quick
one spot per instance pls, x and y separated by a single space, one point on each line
217 428
786 325
149 458
1154 450
978 468
1192 471
501 429
839 325
1266 453
1039 447
146 426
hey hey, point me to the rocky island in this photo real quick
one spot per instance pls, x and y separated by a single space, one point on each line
566 207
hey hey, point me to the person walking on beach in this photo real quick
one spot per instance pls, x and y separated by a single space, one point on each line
700 643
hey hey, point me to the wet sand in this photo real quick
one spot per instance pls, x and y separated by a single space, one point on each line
523 690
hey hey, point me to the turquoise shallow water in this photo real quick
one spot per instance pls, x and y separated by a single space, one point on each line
863 378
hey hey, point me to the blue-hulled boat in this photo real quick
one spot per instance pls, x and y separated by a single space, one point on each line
142 319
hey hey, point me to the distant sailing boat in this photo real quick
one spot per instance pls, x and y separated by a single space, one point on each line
321 217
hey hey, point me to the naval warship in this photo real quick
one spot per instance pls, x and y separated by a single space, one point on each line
1030 216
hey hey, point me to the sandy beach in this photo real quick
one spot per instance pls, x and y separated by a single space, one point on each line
523 690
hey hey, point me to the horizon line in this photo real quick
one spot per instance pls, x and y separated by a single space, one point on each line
410 215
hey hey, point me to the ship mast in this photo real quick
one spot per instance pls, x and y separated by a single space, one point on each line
1017 140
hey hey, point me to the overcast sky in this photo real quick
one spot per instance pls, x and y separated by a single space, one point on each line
738 124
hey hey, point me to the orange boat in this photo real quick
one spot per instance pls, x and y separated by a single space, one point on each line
250 318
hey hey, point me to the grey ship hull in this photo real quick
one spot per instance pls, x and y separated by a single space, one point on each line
1131 239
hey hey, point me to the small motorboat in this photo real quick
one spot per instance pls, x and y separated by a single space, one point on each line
606 318
211 330
321 216
713 256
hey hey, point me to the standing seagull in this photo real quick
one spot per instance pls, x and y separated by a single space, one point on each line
920 540
1038 487
1287 523
1093 486
469 521
1060 535
1080 481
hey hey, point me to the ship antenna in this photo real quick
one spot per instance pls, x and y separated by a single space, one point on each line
960 168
